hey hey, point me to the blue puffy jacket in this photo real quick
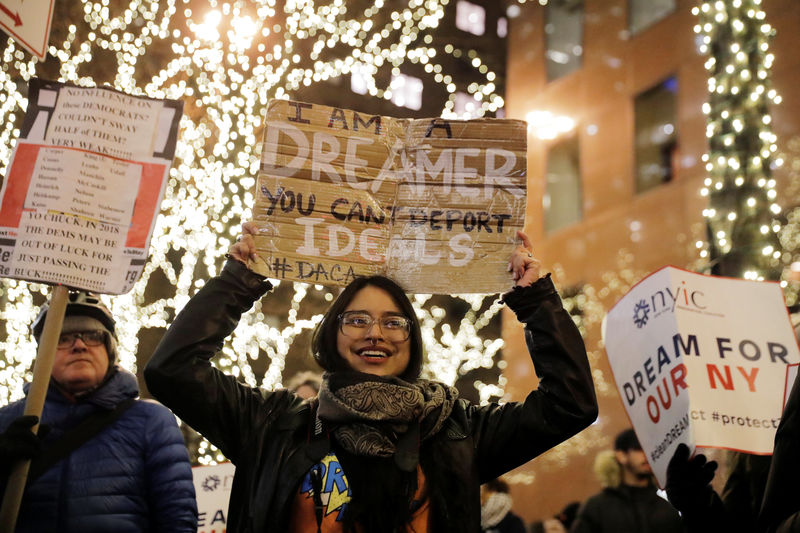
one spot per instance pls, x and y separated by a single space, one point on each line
134 476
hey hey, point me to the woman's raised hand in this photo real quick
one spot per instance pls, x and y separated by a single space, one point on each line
524 267
244 249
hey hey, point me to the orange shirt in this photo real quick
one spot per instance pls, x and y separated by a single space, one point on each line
335 497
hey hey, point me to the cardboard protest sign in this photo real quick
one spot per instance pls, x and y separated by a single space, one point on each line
432 203
84 186
212 486
701 360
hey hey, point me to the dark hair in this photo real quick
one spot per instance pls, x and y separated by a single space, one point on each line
323 342
568 514
381 492
497 485
626 441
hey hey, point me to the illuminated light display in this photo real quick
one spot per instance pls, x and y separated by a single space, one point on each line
225 60
742 214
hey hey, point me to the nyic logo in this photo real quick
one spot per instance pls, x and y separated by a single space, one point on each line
211 483
666 300
640 313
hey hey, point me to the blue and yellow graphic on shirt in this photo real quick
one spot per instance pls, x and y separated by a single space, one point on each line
335 496
335 490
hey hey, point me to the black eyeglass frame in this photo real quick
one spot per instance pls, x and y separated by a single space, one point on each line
82 335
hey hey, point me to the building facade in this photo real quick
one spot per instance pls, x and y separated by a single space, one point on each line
613 91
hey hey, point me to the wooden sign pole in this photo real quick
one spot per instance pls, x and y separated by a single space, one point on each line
35 402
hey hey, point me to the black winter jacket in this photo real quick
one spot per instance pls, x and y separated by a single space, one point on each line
780 511
269 435
626 509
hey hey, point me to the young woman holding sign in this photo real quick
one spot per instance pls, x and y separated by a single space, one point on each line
380 449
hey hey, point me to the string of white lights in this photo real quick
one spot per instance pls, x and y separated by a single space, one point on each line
225 60
742 207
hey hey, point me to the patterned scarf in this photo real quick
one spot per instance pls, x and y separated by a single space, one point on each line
384 416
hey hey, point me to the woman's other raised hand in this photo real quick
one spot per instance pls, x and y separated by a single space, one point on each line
244 249
524 267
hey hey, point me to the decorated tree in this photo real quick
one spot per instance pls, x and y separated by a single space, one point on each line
742 215
225 60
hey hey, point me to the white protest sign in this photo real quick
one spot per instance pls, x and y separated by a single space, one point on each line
212 486
700 360
84 186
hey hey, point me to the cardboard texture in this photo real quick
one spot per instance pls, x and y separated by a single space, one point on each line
432 203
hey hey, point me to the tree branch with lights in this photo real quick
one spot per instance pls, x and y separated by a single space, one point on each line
742 215
225 59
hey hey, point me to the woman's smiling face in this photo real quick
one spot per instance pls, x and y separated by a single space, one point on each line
372 351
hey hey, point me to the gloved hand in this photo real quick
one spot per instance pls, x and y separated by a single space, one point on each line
19 442
689 481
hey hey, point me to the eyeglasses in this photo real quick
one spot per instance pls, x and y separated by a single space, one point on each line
355 324
89 338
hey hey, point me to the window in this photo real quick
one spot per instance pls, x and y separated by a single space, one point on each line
564 37
406 91
645 13
470 17
562 201
656 136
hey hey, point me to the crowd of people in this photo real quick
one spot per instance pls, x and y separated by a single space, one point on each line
369 446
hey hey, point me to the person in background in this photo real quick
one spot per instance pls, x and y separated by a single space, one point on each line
130 474
380 449
560 523
305 384
496 513
567 515
628 501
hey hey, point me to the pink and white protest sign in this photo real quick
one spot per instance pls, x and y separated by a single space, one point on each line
701 360
84 186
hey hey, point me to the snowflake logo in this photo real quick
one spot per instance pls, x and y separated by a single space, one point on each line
640 311
211 483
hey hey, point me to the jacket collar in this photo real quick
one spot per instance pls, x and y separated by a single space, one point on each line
119 386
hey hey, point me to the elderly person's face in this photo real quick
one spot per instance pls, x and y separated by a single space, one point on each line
373 334
81 360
